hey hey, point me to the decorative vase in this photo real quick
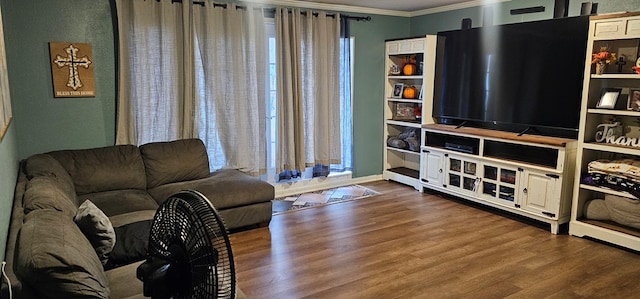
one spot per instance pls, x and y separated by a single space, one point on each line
600 67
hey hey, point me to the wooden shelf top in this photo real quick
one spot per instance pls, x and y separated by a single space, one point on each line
622 14
553 141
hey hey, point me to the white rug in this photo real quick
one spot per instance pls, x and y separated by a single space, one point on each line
320 198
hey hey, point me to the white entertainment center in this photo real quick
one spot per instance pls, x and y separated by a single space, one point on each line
527 175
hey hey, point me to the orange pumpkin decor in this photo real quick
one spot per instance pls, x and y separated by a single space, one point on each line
409 69
410 92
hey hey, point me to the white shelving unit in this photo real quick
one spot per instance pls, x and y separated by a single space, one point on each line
621 33
401 164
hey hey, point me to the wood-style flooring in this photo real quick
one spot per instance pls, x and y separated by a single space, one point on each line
406 244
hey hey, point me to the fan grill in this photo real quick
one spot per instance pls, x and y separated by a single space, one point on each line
189 221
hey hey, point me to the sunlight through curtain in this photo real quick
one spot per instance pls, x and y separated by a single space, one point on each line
308 49
231 64
194 70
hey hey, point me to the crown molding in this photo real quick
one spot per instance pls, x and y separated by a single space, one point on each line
463 5
332 7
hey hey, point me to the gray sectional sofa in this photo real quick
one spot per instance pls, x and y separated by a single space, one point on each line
49 255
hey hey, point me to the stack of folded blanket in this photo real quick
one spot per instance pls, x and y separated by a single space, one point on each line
620 175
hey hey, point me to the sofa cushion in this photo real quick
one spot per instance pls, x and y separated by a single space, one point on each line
104 169
175 161
46 192
131 217
46 165
132 243
227 188
123 282
118 202
95 225
55 259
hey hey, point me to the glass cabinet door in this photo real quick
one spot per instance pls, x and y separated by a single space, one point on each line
498 184
462 174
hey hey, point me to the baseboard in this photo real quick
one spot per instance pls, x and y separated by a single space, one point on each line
315 184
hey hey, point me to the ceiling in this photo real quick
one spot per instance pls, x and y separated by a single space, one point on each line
401 5
383 7
404 5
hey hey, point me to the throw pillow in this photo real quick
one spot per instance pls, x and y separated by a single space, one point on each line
97 228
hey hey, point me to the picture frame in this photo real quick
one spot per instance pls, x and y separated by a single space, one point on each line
608 98
397 90
404 111
633 103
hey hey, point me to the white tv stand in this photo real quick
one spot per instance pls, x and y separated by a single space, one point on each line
528 175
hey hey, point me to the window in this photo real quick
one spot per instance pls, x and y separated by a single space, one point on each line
346 66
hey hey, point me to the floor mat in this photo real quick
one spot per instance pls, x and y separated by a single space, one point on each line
320 198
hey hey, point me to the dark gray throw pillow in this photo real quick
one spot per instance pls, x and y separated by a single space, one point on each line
96 226
132 242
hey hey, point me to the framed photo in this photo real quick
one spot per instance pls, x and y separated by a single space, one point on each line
404 111
634 99
609 98
397 90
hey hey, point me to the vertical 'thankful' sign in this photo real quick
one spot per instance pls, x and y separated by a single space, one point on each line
72 70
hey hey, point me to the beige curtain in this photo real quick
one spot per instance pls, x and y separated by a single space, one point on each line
308 49
194 70
231 64
155 97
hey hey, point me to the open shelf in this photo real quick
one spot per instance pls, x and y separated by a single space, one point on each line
608 147
405 116
607 190
413 124
618 32
613 226
543 140
403 150
416 101
400 77
406 172
614 112
615 76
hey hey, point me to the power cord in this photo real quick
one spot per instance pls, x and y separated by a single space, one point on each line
4 274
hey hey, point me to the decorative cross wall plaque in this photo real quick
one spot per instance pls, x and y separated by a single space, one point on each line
72 70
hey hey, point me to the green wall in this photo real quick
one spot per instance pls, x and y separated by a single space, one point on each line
40 122
45 123
368 86
8 175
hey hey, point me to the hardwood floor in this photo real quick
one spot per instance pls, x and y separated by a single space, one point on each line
406 244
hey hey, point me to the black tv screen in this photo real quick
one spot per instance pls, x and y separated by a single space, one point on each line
528 74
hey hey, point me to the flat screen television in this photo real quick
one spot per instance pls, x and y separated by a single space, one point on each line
522 75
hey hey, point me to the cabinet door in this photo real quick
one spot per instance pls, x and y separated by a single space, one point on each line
461 174
432 171
499 184
538 193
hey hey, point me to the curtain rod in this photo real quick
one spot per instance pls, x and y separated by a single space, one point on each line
273 10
